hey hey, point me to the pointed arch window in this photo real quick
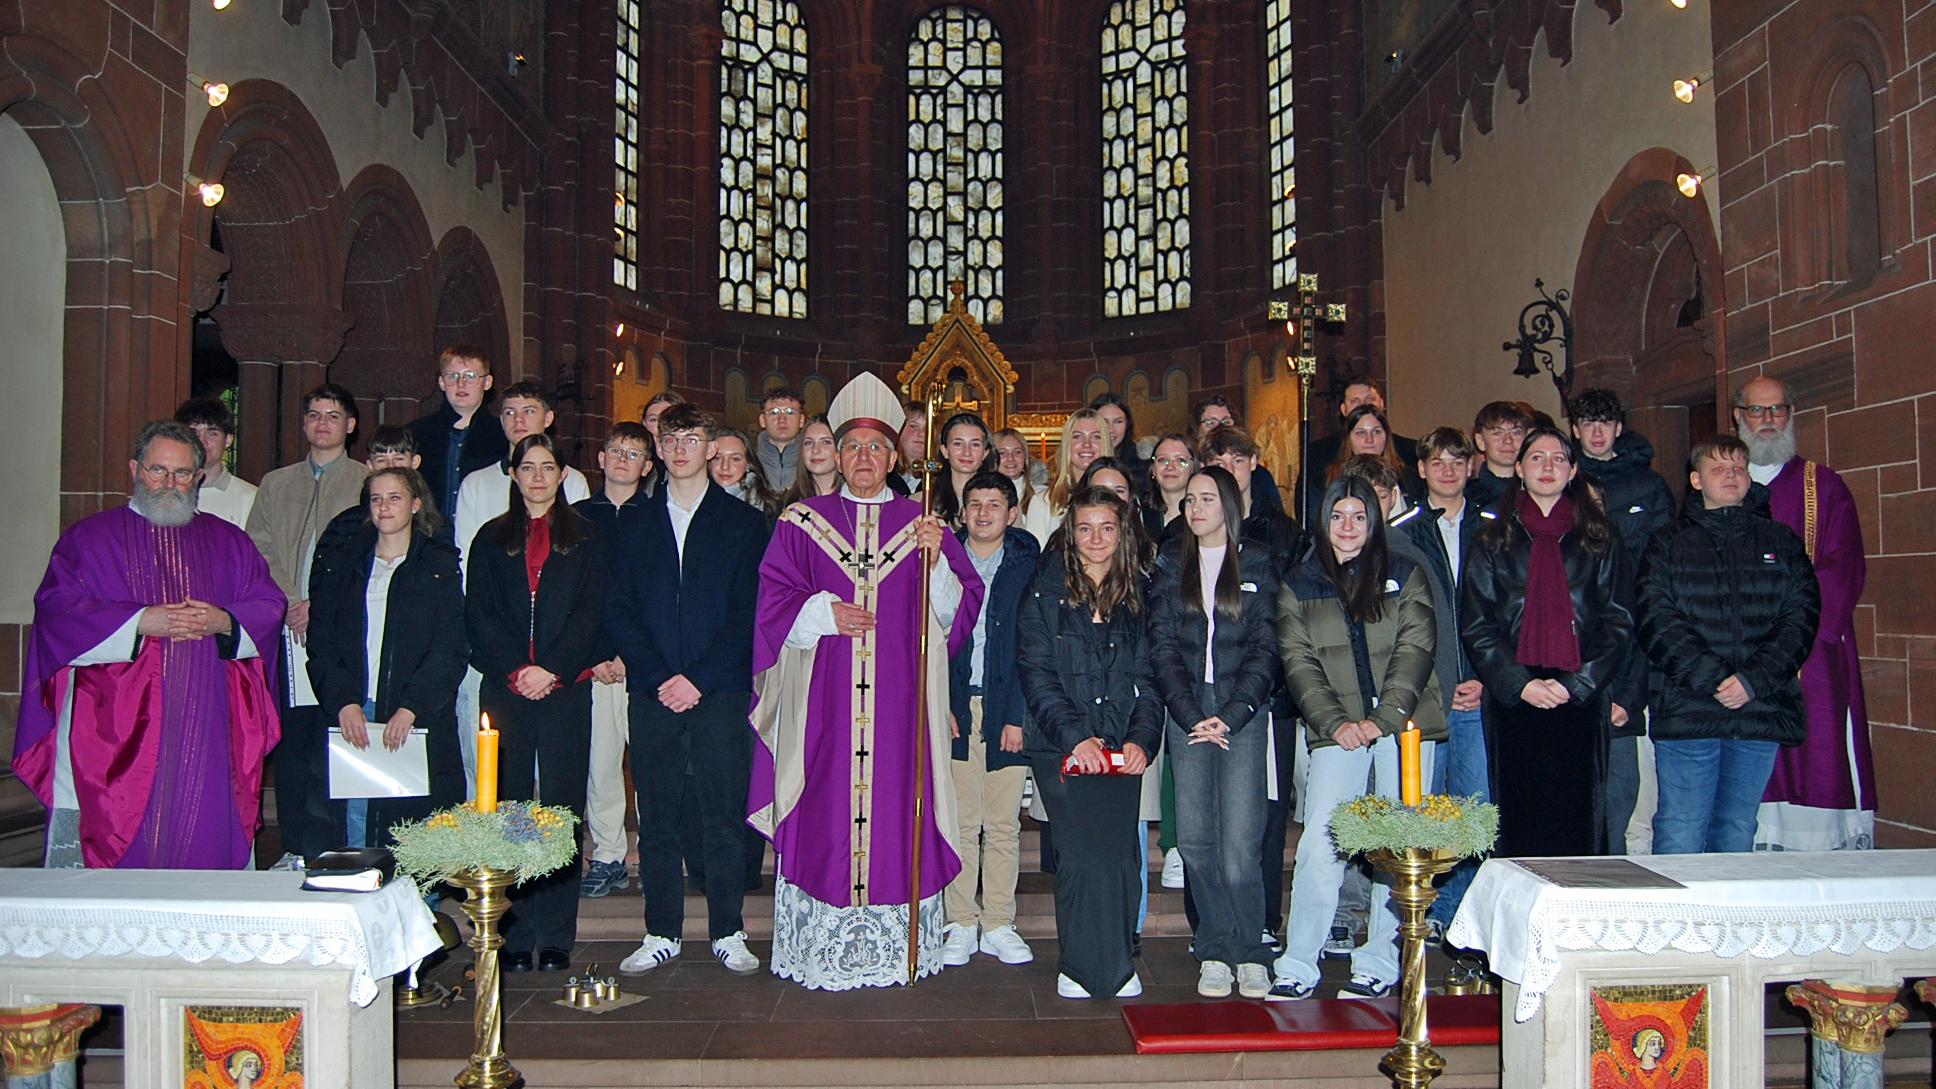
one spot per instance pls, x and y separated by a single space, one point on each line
625 149
1283 143
763 158
955 198
1145 159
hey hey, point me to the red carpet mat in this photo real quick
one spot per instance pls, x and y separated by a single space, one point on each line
1310 1025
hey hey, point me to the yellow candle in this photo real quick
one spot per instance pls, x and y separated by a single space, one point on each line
1411 776
486 766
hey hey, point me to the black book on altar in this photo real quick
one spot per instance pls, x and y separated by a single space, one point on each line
350 869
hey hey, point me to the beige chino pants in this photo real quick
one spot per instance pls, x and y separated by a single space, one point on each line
989 821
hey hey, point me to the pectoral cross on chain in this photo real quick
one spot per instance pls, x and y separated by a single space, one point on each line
1307 312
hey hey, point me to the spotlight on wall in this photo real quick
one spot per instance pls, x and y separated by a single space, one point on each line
514 63
1687 88
222 5
1690 183
211 192
217 93
619 329
1682 4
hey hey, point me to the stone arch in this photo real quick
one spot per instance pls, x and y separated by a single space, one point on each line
737 408
279 311
815 395
1843 225
120 363
1092 386
468 303
1173 407
1646 293
388 356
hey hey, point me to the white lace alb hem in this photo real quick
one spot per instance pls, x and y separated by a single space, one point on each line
828 948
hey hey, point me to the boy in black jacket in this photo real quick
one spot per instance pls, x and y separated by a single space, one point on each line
1620 464
985 696
1727 615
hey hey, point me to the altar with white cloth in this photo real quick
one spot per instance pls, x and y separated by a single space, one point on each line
1648 970
218 970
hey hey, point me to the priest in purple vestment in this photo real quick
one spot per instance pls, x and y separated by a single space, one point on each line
1821 796
835 650
145 709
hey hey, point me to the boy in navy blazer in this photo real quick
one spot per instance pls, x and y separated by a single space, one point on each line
681 617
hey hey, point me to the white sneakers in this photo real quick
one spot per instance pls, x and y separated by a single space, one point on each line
1214 979
957 944
732 952
1007 946
1172 869
1253 981
651 953
960 942
1069 988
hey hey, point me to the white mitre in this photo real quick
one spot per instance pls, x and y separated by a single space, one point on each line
868 402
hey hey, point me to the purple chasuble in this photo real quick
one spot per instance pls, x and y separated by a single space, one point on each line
167 749
1818 773
845 839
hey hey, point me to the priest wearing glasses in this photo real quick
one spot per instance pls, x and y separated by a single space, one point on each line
835 659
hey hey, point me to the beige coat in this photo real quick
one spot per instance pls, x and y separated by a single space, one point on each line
292 505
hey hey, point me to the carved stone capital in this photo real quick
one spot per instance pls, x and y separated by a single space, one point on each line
206 268
1858 1017
279 332
34 1039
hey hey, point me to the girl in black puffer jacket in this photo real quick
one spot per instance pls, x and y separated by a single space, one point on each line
1543 619
1212 618
1729 605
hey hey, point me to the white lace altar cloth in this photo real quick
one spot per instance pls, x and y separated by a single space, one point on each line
1765 904
199 916
830 948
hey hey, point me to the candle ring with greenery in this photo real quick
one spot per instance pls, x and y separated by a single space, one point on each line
1459 826
524 838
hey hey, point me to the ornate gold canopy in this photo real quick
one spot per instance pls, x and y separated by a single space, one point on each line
958 358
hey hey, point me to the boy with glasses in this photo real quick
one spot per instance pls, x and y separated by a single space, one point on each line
617 507
292 508
451 448
782 415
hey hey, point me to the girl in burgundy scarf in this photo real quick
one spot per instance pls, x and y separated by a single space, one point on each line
1547 619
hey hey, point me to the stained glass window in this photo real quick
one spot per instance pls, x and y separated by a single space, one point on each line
1145 159
1283 143
954 74
625 150
763 158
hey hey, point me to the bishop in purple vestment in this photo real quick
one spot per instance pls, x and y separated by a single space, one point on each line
1821 796
834 661
146 711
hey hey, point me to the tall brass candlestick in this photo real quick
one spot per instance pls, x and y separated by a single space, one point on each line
486 903
1413 1062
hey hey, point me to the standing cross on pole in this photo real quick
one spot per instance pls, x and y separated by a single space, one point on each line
1305 314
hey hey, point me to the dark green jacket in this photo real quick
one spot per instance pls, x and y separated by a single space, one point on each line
1314 639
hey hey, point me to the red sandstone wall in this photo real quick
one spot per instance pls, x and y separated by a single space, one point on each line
1852 341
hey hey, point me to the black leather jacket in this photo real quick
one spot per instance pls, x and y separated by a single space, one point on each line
1492 597
1247 669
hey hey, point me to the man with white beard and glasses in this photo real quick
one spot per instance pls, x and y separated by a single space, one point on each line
145 709
1821 796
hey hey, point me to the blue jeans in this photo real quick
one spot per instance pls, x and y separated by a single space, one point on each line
1336 776
1709 792
1623 790
1465 773
1220 808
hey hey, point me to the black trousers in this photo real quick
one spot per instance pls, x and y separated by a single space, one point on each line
1097 883
300 763
544 754
715 741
